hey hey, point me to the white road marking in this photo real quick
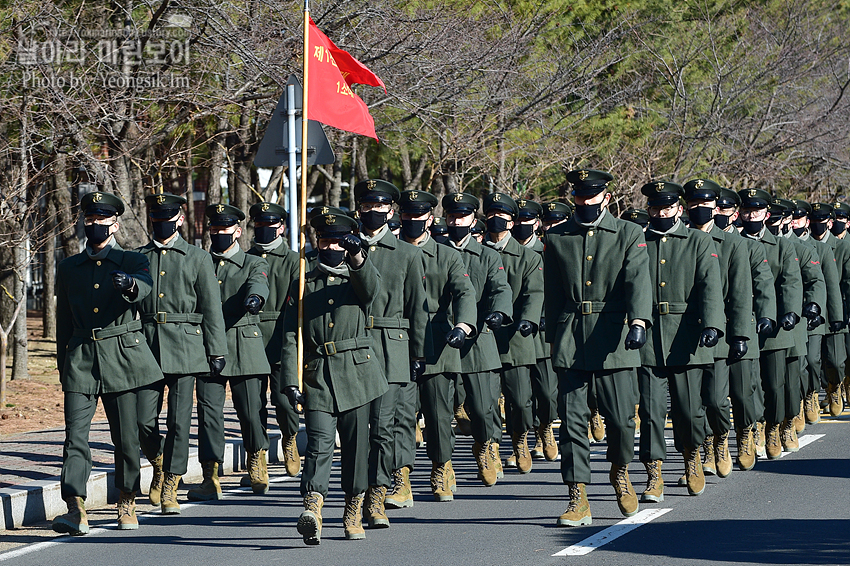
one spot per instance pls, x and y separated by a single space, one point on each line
613 532
805 440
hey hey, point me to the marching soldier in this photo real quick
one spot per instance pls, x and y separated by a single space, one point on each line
598 306
636 215
342 374
453 315
524 270
184 327
439 230
479 353
398 327
243 289
101 354
841 211
270 244
555 213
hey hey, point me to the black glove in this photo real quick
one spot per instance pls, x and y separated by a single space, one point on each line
121 281
636 337
217 364
836 326
456 337
812 323
765 326
542 326
351 243
253 304
788 321
494 320
525 328
811 311
417 369
737 349
296 399
709 337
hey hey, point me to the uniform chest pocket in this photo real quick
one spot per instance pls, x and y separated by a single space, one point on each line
192 330
131 339
251 331
362 355
396 333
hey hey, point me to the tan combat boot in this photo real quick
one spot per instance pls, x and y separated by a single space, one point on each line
578 509
708 465
170 506
210 488
521 452
155 491
550 445
597 426
760 440
440 486
127 520
486 468
291 458
401 495
800 418
746 448
836 403
654 492
637 418
352 517
812 407
450 476
501 405
420 438
75 522
463 425
722 457
496 460
537 451
259 476
510 461
845 386
310 520
376 515
788 437
626 497
693 472
773 442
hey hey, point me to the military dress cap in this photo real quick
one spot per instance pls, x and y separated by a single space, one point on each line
556 211
267 212
163 206
777 207
439 226
788 206
460 203
376 190
662 193
636 215
728 198
754 198
841 209
529 208
317 210
801 208
101 204
417 202
479 227
588 182
701 189
822 211
224 215
394 222
500 202
333 225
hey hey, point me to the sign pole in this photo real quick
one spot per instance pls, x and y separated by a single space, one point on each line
302 264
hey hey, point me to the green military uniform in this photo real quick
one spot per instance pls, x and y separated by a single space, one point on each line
283 270
101 354
841 211
240 276
439 230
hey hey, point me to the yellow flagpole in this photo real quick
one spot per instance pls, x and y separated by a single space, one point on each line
302 264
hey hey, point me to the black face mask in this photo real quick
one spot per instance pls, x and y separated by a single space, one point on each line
773 229
786 228
721 221
587 213
97 233
799 231
440 238
164 230
373 219
220 242
818 228
265 234
496 225
838 226
458 233
522 232
412 229
661 224
700 215
331 258
752 227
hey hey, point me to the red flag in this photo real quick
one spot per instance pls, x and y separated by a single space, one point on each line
331 72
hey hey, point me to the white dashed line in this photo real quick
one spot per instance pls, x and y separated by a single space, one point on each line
613 532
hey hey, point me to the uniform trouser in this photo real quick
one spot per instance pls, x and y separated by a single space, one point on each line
811 379
120 411
796 377
617 394
516 386
834 359
496 415
438 394
245 392
480 406
382 416
285 415
715 397
544 387
686 409
404 429
174 446
743 383
460 392
773 377
847 353
353 429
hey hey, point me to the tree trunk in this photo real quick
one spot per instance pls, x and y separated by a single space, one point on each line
48 277
19 332
189 225
65 217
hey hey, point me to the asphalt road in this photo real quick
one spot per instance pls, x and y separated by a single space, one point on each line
789 511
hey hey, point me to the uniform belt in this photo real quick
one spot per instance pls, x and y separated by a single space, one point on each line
333 348
267 316
173 317
593 307
247 320
671 308
387 322
108 332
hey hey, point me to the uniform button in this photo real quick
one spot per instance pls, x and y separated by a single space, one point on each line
97 285
662 284
163 252
330 325
663 261
590 232
590 257
256 334
587 283
161 295
162 273
371 248
137 340
368 357
198 331
264 255
95 309
99 262
221 262
699 321
219 281
331 278
664 239
401 335
306 366
330 301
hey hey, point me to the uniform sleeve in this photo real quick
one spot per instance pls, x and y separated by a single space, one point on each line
138 267
814 287
554 291
64 322
498 291
365 279
790 282
289 349
739 298
258 280
416 307
709 286
834 303
530 305
464 308
638 285
845 277
209 304
764 290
